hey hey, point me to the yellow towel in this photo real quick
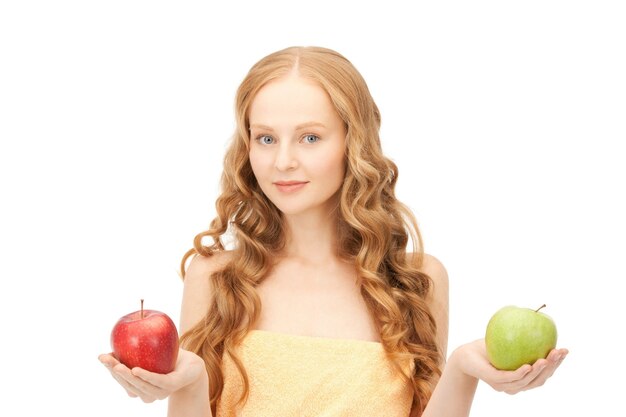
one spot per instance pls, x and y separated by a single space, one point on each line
303 376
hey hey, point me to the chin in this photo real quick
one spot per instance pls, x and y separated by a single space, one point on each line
291 211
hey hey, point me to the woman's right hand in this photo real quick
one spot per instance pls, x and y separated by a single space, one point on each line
150 386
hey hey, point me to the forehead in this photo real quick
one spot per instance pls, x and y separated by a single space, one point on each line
292 100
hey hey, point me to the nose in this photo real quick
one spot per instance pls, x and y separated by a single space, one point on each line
285 157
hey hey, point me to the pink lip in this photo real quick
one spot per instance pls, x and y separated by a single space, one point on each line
289 187
289 182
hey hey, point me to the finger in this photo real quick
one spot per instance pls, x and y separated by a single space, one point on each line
147 390
508 377
556 356
110 363
532 371
161 381
564 352
537 375
503 381
108 360
512 380
553 361
125 386
133 384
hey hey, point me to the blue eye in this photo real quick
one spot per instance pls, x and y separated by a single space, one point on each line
311 136
263 137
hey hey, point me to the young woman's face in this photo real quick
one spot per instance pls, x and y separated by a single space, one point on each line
296 135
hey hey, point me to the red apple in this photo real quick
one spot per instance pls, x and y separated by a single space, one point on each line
147 339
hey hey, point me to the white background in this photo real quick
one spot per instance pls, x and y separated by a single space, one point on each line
505 119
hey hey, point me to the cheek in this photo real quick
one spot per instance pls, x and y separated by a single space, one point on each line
333 168
255 163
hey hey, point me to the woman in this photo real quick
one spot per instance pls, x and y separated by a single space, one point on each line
319 309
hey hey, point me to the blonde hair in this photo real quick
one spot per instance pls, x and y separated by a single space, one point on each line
373 230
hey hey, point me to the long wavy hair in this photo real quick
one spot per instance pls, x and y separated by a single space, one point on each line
373 230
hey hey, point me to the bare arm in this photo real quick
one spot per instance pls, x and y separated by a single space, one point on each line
454 392
193 400
452 384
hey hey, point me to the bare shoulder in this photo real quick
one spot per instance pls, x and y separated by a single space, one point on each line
198 290
433 267
438 298
201 267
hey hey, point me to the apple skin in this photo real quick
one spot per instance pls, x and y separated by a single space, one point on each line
516 336
150 342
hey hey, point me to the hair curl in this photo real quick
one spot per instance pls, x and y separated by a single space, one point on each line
373 231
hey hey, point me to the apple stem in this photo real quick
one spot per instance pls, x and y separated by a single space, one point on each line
535 310
142 308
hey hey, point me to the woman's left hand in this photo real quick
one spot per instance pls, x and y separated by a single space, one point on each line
526 377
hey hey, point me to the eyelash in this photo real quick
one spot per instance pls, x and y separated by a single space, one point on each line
259 137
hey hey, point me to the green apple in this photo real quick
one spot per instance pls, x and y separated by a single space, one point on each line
516 336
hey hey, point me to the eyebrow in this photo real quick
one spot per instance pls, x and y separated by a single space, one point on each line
299 127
